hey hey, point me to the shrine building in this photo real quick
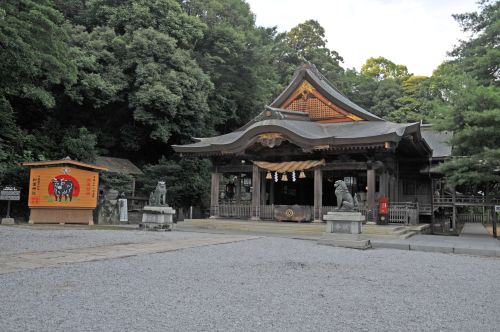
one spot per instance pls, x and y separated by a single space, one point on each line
311 135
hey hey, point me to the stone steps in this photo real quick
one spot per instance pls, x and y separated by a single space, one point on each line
392 231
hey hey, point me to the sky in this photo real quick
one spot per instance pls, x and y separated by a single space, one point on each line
415 33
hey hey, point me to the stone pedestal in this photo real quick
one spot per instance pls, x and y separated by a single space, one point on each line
8 221
343 229
158 218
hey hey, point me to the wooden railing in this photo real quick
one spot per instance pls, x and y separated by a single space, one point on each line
474 218
239 211
404 213
267 212
466 200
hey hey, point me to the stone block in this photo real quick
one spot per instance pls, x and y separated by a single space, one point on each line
344 227
158 217
344 222
344 216
352 241
8 221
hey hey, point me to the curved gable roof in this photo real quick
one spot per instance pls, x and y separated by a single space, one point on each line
309 73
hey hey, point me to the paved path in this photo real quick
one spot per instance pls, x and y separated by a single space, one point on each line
38 259
474 230
468 245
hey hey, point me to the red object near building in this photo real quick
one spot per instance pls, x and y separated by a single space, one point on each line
383 210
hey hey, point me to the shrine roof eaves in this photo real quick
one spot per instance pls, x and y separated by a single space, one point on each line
438 141
305 133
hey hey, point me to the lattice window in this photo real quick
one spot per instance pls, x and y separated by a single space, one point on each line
315 107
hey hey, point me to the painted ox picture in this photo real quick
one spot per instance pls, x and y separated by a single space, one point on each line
63 187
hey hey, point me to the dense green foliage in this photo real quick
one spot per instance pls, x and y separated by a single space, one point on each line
129 78
468 91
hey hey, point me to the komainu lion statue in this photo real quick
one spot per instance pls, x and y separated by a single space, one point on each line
159 196
344 197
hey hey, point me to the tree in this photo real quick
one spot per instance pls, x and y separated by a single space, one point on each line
307 41
34 59
381 68
175 172
385 97
35 51
413 105
237 56
137 74
472 112
479 55
469 102
358 87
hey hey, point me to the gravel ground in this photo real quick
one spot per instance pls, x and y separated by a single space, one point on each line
26 239
265 284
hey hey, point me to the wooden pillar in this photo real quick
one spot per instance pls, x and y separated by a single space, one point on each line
271 193
384 184
494 221
370 194
262 189
433 220
255 212
133 187
454 215
238 189
396 184
318 195
214 195
392 188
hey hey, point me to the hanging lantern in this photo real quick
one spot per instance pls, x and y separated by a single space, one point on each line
293 176
284 177
275 176
269 176
302 175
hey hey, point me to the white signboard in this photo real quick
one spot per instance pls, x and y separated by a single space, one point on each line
497 208
122 204
10 193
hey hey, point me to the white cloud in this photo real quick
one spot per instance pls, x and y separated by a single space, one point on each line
415 33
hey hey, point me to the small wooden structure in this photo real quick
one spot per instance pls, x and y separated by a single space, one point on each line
63 191
120 166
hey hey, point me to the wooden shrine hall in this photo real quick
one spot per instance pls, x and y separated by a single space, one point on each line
289 156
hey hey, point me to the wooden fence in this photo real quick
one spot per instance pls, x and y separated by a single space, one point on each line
474 217
402 213
466 201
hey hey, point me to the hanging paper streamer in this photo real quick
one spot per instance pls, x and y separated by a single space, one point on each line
275 176
293 176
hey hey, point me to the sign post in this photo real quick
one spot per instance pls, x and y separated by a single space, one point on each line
9 193
122 204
